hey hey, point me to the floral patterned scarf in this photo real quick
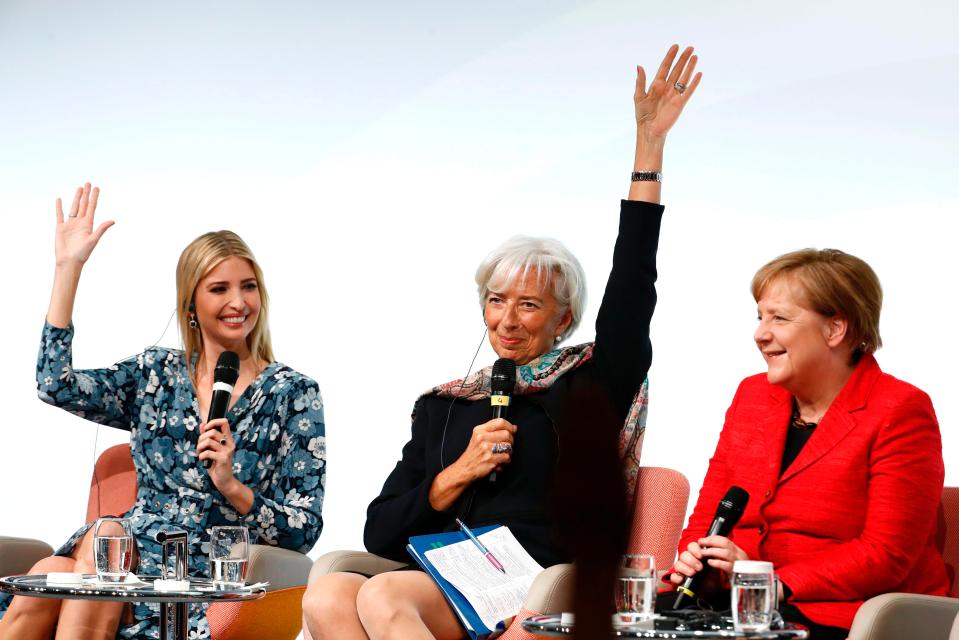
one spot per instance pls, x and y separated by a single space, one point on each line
540 374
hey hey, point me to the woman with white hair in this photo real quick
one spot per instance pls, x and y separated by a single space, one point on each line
532 292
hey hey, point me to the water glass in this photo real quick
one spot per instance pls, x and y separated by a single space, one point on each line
636 590
112 548
753 595
229 556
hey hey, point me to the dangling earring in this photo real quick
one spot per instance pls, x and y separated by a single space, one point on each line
193 322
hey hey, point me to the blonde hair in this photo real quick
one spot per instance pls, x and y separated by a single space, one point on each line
832 283
199 257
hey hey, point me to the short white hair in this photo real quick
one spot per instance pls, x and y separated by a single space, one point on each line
553 263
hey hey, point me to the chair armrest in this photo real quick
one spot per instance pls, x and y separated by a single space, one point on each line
551 591
282 568
17 555
893 616
354 561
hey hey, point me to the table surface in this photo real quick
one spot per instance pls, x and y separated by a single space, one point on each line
200 590
550 625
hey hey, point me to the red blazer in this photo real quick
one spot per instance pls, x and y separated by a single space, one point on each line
854 515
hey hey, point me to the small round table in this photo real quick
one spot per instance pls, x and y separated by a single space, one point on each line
172 618
663 627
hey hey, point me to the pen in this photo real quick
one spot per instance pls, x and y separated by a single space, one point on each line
479 545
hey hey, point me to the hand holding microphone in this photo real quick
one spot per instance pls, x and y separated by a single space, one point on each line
490 445
224 377
728 513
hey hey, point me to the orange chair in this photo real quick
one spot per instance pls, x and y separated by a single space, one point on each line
658 516
276 616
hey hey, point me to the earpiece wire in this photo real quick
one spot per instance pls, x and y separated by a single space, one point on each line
96 433
453 400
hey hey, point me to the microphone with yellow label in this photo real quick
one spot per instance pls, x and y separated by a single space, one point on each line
502 383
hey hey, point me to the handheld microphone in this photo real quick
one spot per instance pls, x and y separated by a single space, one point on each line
728 513
502 384
224 377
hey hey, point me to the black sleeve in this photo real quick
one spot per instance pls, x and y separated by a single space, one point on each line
403 507
623 351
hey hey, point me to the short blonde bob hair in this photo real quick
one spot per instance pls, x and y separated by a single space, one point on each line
199 257
554 265
832 283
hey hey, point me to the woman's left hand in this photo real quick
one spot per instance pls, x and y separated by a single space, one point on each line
216 444
658 108
721 552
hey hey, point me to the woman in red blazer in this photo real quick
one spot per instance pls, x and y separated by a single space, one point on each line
842 462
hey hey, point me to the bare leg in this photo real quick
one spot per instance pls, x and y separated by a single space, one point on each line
35 618
329 606
84 619
406 605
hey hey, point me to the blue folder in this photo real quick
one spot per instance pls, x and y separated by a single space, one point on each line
418 547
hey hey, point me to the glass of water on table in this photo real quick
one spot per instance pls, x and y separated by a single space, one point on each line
754 595
636 589
229 556
112 548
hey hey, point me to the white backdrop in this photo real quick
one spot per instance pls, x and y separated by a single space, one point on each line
372 155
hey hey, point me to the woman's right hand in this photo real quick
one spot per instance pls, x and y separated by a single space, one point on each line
477 461
75 237
689 563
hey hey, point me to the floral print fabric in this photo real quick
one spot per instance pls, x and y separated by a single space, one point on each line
278 427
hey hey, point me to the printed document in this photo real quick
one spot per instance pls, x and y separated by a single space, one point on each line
495 596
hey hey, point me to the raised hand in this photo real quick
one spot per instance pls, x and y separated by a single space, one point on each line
75 237
659 106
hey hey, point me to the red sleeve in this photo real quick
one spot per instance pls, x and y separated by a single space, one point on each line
715 483
904 490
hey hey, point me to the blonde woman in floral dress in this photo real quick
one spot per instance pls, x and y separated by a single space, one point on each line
267 456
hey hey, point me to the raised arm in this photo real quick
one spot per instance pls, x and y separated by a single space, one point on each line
75 240
623 351
657 110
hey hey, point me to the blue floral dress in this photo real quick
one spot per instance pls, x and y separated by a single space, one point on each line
277 424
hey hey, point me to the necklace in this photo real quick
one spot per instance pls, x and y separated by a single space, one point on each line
797 422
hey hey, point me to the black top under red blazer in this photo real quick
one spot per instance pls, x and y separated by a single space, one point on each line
854 515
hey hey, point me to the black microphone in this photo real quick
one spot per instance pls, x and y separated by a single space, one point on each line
224 377
502 383
728 513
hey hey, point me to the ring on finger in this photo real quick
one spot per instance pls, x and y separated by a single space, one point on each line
502 447
679 87
223 442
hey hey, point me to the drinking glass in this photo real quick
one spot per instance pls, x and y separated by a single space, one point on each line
636 590
229 556
112 548
753 595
